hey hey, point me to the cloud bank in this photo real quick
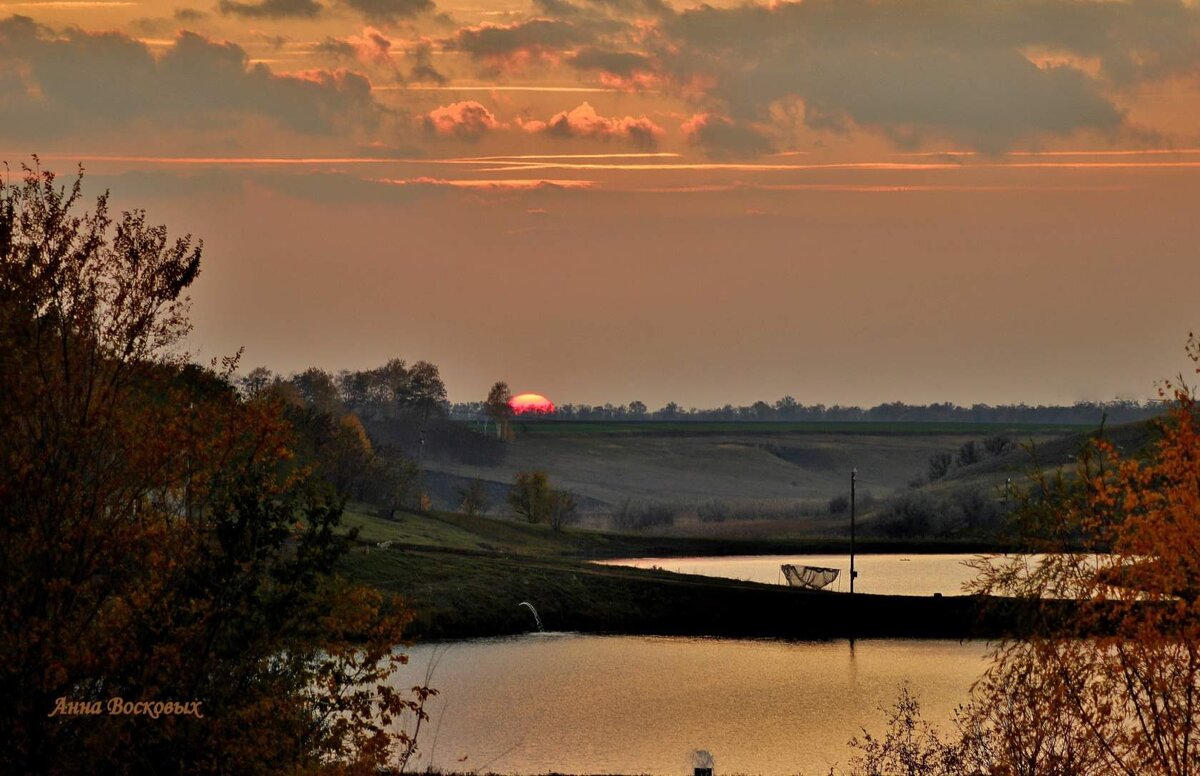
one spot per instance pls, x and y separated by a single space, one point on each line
468 120
73 82
583 121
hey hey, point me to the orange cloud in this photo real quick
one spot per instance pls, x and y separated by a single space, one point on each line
583 121
637 82
370 47
467 120
621 70
493 184
721 136
515 46
75 83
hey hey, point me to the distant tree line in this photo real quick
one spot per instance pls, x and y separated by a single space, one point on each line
788 409
399 410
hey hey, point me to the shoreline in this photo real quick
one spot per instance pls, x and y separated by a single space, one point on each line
457 595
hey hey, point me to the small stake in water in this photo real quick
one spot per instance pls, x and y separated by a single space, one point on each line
536 619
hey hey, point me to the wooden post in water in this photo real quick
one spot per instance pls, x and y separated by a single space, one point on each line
853 481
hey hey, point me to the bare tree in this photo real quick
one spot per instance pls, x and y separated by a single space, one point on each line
529 496
562 508
474 499
939 464
499 408
996 445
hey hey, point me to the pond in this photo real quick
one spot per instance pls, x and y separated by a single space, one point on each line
577 704
894 574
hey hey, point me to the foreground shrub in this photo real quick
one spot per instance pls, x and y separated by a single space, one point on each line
1110 685
157 543
639 516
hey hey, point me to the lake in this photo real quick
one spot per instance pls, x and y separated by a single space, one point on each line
894 574
577 704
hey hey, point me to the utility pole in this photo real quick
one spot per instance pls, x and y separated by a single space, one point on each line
421 471
853 482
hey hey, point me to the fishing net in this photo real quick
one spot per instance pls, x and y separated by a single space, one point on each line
811 577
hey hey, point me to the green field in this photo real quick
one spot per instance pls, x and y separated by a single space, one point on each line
699 427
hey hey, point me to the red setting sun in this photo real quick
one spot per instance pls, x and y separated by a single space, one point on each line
535 403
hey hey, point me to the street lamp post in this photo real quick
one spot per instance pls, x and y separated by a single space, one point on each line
853 482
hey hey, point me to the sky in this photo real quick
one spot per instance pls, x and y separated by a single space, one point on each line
845 201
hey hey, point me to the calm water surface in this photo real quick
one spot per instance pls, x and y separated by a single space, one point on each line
884 574
579 704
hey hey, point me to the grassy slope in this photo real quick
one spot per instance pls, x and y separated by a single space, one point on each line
466 576
460 596
1046 455
768 465
450 533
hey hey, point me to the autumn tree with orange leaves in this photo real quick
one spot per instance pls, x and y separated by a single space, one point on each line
1114 687
157 543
